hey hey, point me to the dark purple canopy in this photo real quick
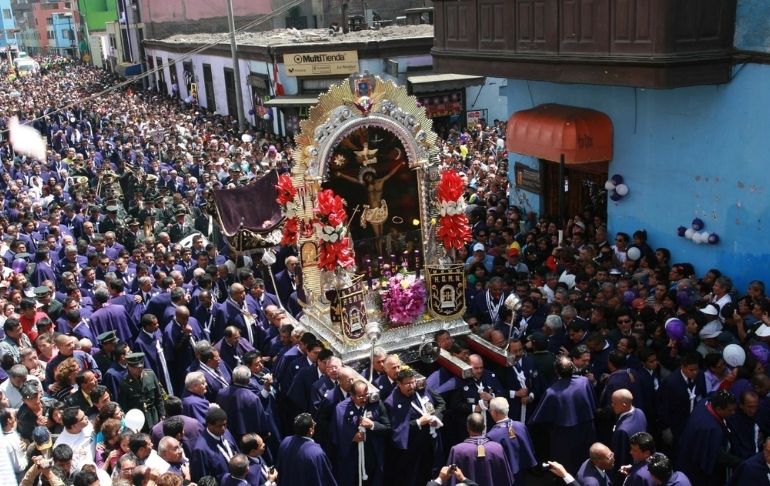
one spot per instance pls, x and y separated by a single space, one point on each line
254 205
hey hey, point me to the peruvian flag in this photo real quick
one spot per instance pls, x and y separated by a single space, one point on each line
279 91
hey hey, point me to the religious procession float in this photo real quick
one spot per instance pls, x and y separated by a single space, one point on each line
376 223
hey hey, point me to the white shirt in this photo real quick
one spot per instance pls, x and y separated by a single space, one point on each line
82 452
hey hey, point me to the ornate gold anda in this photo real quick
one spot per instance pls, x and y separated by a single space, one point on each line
340 111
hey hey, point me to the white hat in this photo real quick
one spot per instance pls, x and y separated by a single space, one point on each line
763 331
710 310
734 355
478 247
711 330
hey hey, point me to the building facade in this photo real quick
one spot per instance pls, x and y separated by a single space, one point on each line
7 25
45 27
683 89
300 63
96 14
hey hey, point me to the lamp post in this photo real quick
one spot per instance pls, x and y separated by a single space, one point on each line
236 67
72 41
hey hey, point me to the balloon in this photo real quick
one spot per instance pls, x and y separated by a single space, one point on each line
134 419
675 329
697 224
246 138
633 253
696 238
713 239
681 231
19 265
734 355
609 185
617 179
761 352
684 297
688 233
615 196
629 297
25 140
622 189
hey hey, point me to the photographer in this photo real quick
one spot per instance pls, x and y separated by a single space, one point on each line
448 472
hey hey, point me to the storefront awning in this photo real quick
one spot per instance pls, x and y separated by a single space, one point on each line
549 131
289 101
426 83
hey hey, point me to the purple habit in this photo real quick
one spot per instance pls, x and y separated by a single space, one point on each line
491 468
700 445
567 409
518 449
753 470
626 426
302 462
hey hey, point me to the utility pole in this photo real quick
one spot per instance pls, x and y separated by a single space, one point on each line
236 66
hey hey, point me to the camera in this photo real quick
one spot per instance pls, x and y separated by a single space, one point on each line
45 464
453 468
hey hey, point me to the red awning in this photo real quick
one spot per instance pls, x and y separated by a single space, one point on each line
551 130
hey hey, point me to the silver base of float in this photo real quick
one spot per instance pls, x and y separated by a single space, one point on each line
403 341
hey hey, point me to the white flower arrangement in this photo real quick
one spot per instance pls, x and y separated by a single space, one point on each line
451 208
330 233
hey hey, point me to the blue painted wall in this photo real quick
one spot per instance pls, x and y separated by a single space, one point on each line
689 152
752 25
6 24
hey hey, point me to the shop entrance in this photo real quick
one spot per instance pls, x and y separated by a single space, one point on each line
583 189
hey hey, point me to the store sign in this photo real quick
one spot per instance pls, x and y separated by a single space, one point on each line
474 117
321 63
527 178
446 104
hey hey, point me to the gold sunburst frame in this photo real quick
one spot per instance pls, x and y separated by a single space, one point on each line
364 101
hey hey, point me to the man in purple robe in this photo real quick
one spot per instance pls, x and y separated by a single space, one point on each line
416 452
357 421
179 337
232 347
214 447
243 406
566 412
678 394
641 448
596 470
663 472
194 402
214 370
755 470
480 458
302 462
744 439
703 447
630 421
386 382
110 317
514 437
150 342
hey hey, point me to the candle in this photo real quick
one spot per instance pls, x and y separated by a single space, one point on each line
417 263
393 262
368 270
405 260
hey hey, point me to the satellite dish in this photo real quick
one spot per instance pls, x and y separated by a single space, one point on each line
429 352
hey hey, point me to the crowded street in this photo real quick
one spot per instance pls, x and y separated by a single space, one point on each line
361 293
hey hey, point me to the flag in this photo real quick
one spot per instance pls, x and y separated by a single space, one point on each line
278 87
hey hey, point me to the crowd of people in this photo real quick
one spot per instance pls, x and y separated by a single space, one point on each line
137 349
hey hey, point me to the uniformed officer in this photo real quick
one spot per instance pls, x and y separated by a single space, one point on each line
106 355
141 389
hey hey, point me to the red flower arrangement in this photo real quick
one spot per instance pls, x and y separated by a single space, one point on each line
287 198
334 244
453 229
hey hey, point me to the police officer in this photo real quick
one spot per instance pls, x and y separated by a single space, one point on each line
105 357
141 389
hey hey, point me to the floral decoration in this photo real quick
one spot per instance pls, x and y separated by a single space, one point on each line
453 229
287 198
403 302
334 243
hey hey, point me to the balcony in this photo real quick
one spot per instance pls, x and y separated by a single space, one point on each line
644 43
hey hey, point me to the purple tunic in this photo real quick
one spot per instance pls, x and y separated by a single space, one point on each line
302 462
492 468
518 449
626 426
754 471
567 411
700 444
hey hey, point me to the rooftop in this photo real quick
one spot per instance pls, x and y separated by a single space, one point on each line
294 37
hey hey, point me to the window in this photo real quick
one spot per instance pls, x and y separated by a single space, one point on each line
6 13
49 21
